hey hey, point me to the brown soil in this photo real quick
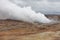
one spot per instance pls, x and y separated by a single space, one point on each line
19 28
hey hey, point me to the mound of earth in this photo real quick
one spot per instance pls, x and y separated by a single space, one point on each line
19 30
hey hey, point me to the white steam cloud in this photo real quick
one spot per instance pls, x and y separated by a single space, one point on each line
43 6
8 10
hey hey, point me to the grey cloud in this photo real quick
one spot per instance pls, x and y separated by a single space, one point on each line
54 0
40 6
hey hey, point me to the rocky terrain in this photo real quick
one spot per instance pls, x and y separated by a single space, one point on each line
18 30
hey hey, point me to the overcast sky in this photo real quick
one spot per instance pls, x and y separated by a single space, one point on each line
44 6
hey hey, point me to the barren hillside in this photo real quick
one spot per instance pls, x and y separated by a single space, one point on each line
18 30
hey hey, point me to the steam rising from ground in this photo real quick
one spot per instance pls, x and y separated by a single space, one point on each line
48 7
9 10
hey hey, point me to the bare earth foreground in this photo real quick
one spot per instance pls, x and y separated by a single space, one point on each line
18 30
